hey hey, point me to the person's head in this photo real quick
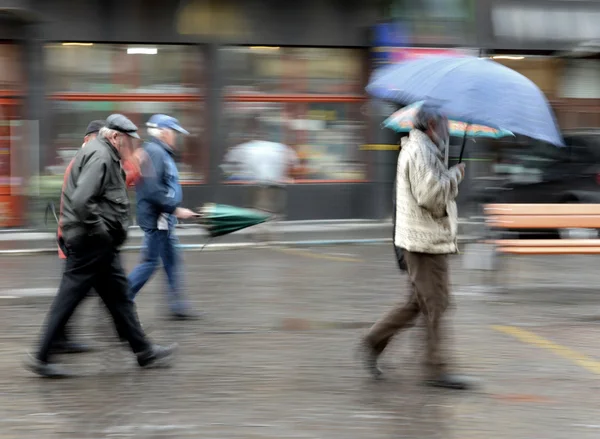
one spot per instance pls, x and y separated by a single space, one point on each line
92 130
165 128
435 125
121 133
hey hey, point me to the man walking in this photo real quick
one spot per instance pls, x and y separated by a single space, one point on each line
159 196
64 344
268 165
94 220
426 227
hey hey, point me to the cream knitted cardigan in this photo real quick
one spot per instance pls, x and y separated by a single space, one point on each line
426 213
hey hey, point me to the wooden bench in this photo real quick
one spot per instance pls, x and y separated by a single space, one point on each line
503 218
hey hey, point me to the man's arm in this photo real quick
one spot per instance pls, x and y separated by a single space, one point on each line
90 184
431 185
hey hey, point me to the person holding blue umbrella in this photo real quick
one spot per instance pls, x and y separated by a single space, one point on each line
426 224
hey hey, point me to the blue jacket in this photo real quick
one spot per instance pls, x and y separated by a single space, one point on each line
158 190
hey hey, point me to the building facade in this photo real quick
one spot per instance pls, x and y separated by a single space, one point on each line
302 66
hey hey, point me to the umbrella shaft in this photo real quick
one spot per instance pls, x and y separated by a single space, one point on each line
464 141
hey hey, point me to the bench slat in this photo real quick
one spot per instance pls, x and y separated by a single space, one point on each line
545 221
542 209
550 250
564 243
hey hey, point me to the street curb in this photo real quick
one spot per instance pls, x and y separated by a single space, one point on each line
217 246
232 246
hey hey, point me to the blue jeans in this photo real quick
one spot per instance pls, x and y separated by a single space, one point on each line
160 245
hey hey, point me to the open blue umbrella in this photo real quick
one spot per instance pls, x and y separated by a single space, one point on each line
473 90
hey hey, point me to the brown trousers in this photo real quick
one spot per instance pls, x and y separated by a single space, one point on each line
429 283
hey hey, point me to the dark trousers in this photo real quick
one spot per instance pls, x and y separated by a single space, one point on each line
93 263
429 296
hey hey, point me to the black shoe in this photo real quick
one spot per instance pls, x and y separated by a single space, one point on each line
369 358
157 356
70 347
186 314
46 370
449 381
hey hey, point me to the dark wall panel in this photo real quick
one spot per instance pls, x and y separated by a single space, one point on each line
302 22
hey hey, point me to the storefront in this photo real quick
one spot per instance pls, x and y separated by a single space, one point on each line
300 67
537 40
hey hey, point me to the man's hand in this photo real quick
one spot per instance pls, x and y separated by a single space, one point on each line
461 168
183 213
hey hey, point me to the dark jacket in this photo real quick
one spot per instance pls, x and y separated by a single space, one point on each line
158 191
94 198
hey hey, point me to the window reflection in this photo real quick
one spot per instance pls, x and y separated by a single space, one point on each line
69 119
168 78
293 70
107 68
325 136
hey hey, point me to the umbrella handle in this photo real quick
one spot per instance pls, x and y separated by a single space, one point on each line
464 141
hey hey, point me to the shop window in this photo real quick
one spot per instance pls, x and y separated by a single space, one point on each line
13 156
293 70
90 81
306 98
68 120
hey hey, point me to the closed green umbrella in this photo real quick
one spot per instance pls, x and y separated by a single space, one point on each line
221 219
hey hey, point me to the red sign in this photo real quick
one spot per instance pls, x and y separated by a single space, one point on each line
10 209
398 54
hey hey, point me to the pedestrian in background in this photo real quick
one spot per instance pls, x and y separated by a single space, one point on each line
94 221
267 164
426 228
159 196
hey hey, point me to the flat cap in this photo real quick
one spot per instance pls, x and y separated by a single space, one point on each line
94 126
120 123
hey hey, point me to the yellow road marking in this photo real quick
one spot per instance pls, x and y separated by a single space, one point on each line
309 254
562 351
379 147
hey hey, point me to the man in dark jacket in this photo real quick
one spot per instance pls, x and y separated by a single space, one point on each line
159 196
63 343
94 220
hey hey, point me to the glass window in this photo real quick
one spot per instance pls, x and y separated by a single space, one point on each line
306 98
167 78
70 118
293 70
11 68
106 68
326 137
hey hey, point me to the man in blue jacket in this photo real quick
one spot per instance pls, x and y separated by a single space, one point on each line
159 196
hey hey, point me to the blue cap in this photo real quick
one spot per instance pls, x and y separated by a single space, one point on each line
164 121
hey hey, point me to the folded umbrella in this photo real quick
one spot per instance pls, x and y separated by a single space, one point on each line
472 90
221 219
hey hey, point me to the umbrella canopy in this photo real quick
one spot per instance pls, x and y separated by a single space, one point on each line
403 121
221 219
473 90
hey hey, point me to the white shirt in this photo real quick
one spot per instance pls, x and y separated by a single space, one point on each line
265 162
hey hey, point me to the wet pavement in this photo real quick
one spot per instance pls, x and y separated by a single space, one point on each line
274 356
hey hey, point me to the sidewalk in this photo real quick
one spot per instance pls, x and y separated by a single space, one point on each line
192 237
274 356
